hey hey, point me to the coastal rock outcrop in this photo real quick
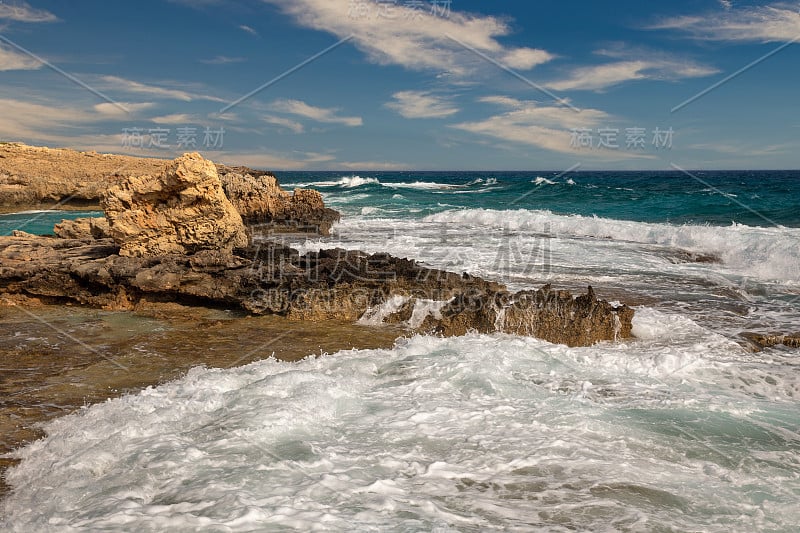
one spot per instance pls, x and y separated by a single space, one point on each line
41 176
175 237
330 284
37 177
260 200
182 210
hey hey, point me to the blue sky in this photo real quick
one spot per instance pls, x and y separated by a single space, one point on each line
409 84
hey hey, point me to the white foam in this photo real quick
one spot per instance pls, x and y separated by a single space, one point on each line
345 182
763 253
543 181
473 433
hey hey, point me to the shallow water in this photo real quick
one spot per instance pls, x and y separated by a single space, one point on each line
54 360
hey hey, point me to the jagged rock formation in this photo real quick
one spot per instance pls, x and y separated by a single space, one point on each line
259 199
33 176
183 210
273 279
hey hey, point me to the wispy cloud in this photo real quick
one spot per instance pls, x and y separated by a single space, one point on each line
773 23
13 60
248 29
130 86
421 104
413 38
319 114
223 60
121 109
532 124
287 123
176 119
23 12
45 121
745 150
648 66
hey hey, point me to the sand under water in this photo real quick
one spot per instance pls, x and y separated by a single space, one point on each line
55 360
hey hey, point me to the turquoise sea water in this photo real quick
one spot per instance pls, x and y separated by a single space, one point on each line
680 429
757 198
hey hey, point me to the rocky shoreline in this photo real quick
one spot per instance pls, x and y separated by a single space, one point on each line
181 235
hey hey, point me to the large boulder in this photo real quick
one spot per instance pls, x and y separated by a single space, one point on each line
184 210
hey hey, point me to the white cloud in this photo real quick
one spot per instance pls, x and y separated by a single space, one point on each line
320 114
177 119
525 58
33 121
774 23
414 39
529 123
115 110
12 60
248 29
421 104
223 60
602 76
130 86
22 12
288 123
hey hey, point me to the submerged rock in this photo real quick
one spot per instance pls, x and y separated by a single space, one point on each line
759 341
183 210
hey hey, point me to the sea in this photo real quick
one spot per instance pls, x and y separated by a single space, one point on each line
682 428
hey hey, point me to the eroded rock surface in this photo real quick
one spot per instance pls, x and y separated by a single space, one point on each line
37 175
182 210
33 176
83 228
330 284
260 200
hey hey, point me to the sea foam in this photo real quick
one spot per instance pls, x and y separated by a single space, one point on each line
430 434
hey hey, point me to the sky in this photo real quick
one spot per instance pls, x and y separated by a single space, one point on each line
409 84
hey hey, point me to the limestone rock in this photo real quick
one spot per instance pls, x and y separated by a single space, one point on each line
83 228
32 176
260 200
41 176
183 210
